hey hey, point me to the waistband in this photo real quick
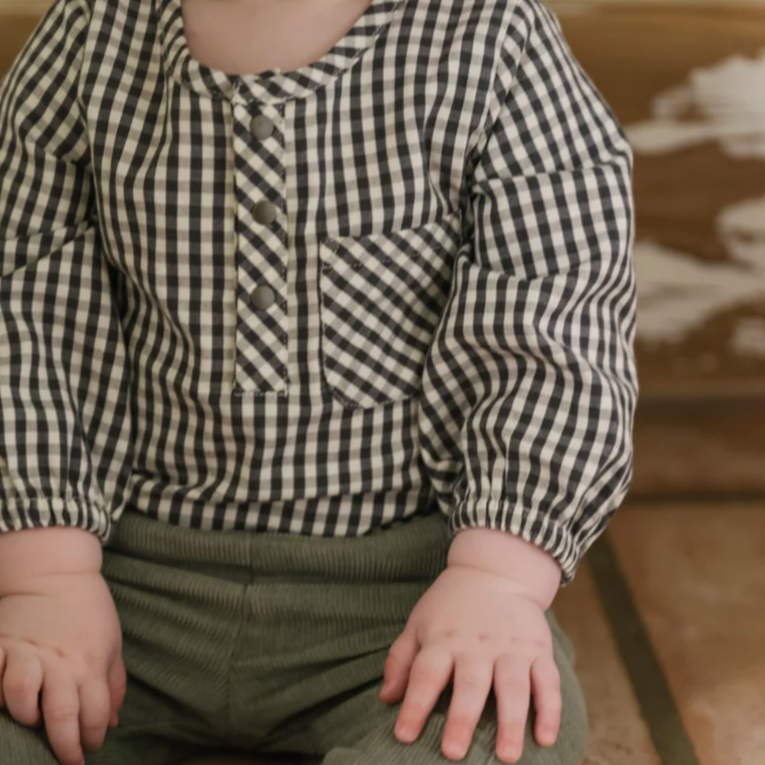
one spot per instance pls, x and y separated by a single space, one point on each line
408 550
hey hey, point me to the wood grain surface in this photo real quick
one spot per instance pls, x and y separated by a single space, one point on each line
688 85
700 448
697 578
687 81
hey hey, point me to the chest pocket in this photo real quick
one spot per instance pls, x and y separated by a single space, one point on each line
382 296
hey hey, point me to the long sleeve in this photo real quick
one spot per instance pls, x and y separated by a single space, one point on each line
530 383
64 387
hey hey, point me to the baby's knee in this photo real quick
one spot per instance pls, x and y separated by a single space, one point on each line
573 734
19 744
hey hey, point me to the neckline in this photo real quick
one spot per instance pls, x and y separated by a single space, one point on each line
270 86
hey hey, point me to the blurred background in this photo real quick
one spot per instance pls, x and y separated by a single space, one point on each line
687 80
667 611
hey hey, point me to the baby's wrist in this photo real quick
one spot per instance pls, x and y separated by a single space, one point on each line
32 554
504 554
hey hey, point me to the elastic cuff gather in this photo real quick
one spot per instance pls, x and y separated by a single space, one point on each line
47 512
490 513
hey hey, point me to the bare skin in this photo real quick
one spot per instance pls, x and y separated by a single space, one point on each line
481 626
60 639
251 36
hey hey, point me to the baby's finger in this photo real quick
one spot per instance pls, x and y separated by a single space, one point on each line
512 687
117 687
472 684
2 673
22 680
398 665
61 710
545 679
95 709
431 672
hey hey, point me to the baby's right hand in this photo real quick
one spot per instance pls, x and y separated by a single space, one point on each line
61 653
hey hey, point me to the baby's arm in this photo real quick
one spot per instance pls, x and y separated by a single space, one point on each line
65 430
530 387
65 447
509 556
481 625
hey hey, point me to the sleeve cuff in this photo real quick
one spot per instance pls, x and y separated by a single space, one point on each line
46 512
554 538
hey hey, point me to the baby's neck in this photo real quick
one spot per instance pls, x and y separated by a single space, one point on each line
251 36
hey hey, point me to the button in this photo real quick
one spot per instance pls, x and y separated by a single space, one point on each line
264 212
262 297
261 127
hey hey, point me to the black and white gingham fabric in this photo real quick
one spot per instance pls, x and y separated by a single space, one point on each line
450 257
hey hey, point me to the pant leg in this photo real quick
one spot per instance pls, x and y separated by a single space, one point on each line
361 727
23 746
178 628
151 732
146 736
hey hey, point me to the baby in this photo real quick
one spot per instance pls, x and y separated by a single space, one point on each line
316 380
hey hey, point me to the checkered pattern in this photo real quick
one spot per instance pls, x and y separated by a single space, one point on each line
451 259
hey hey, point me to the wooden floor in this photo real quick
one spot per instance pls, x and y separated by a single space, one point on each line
667 613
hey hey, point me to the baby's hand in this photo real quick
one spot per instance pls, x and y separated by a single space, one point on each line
60 639
479 629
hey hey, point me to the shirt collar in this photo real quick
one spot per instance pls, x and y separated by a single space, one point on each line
269 86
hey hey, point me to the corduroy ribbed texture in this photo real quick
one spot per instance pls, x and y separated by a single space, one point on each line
271 643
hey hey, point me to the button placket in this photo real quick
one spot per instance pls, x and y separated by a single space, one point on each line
264 212
261 363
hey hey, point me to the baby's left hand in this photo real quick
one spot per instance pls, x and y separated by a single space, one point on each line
477 629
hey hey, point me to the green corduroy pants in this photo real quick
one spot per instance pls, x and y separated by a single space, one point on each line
262 643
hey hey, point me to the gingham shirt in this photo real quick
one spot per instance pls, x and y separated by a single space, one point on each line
406 286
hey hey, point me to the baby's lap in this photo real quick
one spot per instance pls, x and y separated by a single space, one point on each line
357 731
